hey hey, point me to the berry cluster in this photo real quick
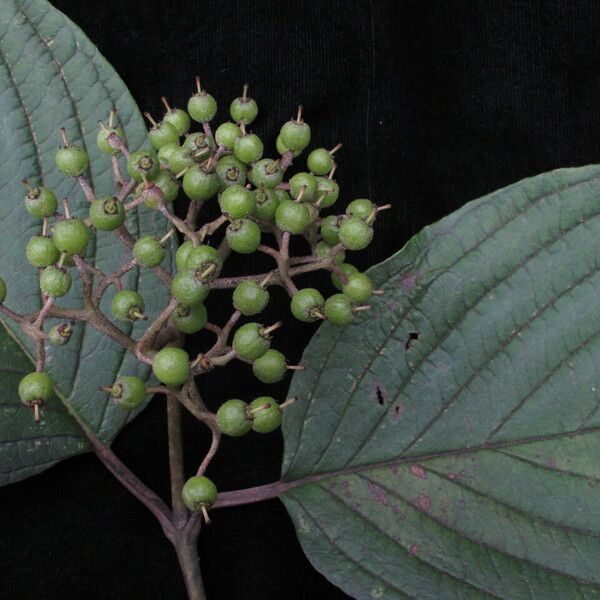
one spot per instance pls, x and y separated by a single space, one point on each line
255 202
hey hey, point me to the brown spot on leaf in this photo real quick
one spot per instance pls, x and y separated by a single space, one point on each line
399 514
423 502
346 486
452 476
378 494
408 281
418 471
380 393
414 549
413 337
551 463
397 412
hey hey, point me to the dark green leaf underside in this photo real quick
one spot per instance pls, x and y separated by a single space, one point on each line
451 437
51 76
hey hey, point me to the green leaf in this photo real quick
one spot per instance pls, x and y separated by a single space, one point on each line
52 76
446 445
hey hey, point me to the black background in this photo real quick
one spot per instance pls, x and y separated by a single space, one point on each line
436 103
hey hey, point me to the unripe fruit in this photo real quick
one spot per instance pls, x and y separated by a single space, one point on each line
327 192
248 148
338 310
266 414
102 139
40 202
189 319
330 230
199 492
323 250
202 107
54 281
143 164
127 392
187 288
2 290
163 133
243 236
148 251
230 171
251 341
165 152
205 260
177 117
41 251
71 161
307 305
355 234
266 203
361 208
59 335
270 367
35 387
320 161
306 181
128 305
71 236
232 418
295 134
359 288
199 145
237 202
243 109
226 134
171 366
180 159
169 186
250 298
347 270
199 185
292 216
283 149
107 214
267 173
182 253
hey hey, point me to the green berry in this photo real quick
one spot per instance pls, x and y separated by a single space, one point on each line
163 133
251 341
180 159
71 161
168 184
347 270
128 305
202 107
40 202
248 148
283 149
232 418
267 173
319 161
359 288
148 251
127 392
270 367
327 192
71 236
303 180
54 281
151 194
102 139
35 388
355 234
266 203
59 335
189 319
295 134
266 414
107 214
182 253
41 251
243 109
307 305
361 208
187 288
282 195
199 185
205 260
226 134
199 145
230 171
2 290
178 118
237 202
143 164
171 366
338 310
199 492
323 249
292 216
250 298
243 236
330 229
165 152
